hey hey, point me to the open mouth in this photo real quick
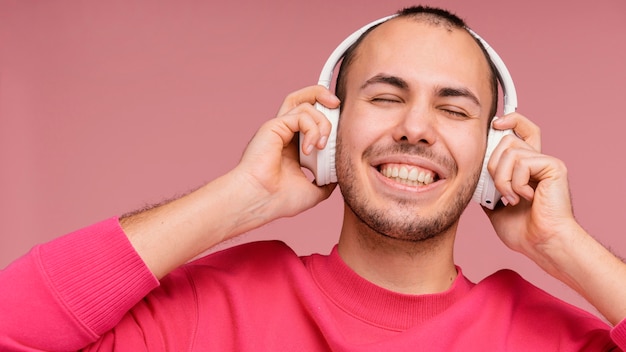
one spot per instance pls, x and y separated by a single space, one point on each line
409 175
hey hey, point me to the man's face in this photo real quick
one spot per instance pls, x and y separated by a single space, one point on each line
413 128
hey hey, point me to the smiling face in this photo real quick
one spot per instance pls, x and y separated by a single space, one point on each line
413 127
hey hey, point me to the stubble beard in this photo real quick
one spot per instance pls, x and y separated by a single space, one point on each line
400 221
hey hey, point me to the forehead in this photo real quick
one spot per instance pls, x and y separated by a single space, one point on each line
418 50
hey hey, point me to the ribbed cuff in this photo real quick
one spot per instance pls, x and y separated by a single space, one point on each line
97 274
618 334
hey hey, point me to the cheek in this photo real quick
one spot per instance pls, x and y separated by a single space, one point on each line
468 150
354 131
348 147
361 124
353 138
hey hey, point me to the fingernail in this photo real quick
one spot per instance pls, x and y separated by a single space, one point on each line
510 200
322 141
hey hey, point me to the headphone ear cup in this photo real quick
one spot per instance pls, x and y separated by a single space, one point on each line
322 162
486 193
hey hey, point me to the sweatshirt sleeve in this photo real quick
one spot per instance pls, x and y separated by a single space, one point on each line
64 294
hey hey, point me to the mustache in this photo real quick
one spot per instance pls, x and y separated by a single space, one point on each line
420 150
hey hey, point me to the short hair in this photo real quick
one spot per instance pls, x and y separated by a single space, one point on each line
431 15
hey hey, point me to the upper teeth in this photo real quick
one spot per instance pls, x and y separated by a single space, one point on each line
409 175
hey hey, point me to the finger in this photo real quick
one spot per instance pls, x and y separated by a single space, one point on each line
309 95
534 170
306 119
521 176
523 128
507 142
509 175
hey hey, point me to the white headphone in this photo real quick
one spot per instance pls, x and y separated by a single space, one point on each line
322 162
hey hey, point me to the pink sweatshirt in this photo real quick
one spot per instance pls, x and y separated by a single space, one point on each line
90 288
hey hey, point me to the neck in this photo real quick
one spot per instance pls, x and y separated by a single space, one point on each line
420 267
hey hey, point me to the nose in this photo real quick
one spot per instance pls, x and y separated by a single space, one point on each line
417 125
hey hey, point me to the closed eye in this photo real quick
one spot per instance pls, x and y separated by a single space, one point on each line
386 99
455 113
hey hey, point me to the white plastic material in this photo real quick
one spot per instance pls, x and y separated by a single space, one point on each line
486 193
322 162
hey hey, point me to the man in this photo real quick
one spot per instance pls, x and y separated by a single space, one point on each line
409 103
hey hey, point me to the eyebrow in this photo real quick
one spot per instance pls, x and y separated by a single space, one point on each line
458 92
387 79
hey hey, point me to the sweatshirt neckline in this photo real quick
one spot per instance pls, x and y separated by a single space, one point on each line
376 305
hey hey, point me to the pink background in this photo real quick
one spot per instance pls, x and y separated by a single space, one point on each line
108 106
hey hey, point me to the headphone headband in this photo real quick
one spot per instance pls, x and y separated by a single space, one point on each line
504 77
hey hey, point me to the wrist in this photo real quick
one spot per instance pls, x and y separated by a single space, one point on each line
562 251
578 260
169 235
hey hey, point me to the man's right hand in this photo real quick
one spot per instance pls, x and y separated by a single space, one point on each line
270 163
267 184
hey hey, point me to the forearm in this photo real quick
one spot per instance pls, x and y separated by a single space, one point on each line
169 235
589 268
